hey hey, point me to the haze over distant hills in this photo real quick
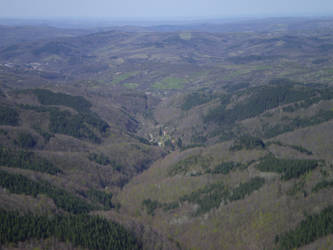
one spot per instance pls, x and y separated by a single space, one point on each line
194 135
189 23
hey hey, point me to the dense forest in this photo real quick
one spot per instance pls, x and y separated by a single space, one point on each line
195 99
209 197
80 125
261 99
27 160
224 168
20 184
99 158
26 140
311 228
8 116
101 197
90 232
248 142
63 122
290 125
322 185
295 147
183 166
78 103
289 168
47 97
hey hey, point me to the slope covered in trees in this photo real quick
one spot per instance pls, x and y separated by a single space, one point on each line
169 136
8 116
80 125
311 228
47 97
86 231
260 100
289 168
20 184
209 197
26 160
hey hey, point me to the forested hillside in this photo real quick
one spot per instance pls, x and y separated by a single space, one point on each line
167 137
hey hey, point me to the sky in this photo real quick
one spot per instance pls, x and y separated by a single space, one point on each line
161 9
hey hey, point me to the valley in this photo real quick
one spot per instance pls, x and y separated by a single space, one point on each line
167 137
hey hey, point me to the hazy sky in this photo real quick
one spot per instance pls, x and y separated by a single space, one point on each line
163 8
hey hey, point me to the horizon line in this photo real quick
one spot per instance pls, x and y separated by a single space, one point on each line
175 18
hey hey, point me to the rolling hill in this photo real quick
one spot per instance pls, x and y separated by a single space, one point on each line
167 137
